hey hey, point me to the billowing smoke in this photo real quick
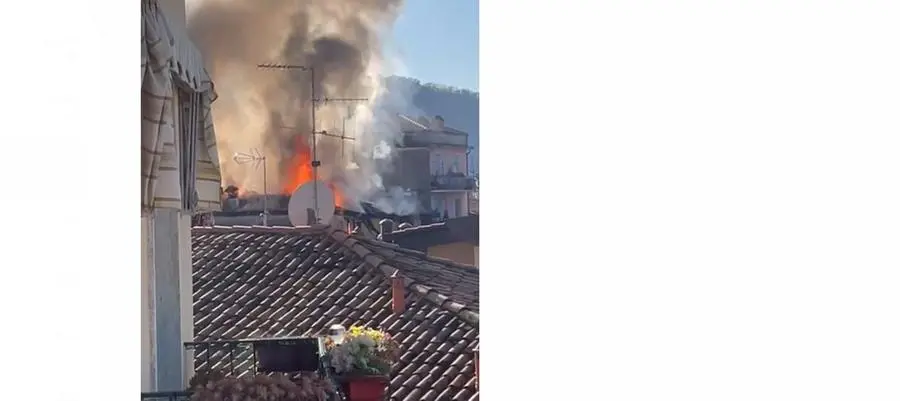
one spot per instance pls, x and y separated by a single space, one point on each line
269 109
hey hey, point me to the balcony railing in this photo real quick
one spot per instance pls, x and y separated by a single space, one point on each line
166 396
427 138
294 356
239 357
452 182
253 356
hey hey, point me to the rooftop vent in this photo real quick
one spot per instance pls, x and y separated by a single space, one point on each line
387 226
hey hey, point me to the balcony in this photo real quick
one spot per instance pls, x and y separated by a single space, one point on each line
452 182
166 396
298 358
434 138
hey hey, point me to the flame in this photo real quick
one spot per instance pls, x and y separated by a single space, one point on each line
300 172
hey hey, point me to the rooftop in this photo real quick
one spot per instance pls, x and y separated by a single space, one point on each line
297 281
410 124
459 229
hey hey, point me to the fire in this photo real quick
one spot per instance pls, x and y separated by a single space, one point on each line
301 172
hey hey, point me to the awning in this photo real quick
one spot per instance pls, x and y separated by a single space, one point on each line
170 60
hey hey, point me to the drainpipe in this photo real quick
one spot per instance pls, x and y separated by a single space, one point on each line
476 368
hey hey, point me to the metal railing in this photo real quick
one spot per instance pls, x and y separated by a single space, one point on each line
166 396
239 357
452 181
243 357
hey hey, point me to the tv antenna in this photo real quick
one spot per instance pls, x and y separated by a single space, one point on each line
315 102
342 137
257 159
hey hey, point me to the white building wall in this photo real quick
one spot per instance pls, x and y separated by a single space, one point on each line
186 292
445 160
180 231
148 371
456 203
148 292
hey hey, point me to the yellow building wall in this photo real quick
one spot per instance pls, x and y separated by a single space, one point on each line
460 252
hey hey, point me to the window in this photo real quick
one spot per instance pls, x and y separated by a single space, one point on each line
189 128
436 163
439 204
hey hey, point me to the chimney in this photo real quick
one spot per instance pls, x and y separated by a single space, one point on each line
339 223
387 227
231 204
437 123
398 294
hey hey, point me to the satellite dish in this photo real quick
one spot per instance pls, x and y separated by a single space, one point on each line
303 199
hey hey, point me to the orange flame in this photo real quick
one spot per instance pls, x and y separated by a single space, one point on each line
300 172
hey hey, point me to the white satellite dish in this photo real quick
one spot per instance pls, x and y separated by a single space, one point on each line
303 199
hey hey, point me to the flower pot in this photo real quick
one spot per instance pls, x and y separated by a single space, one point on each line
365 388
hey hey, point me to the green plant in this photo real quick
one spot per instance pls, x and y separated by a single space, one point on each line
203 378
260 387
364 351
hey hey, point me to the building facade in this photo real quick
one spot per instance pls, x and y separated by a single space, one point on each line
180 176
433 162
453 239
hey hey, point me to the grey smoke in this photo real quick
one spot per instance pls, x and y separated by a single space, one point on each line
381 151
397 201
270 110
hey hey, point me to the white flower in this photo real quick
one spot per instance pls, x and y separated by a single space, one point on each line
367 341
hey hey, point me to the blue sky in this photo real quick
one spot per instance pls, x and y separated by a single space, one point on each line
437 40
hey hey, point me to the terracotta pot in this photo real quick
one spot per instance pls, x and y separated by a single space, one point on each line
365 388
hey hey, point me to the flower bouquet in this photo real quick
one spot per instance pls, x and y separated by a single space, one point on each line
362 360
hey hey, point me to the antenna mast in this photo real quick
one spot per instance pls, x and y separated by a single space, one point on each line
315 101
257 159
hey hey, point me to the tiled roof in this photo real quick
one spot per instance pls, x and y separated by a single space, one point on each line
409 124
252 282
460 229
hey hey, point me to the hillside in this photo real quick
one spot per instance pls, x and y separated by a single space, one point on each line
458 107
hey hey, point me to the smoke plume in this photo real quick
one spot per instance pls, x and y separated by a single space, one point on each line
269 109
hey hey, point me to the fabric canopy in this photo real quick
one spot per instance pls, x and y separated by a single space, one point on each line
170 64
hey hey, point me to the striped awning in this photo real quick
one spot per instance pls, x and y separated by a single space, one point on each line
172 74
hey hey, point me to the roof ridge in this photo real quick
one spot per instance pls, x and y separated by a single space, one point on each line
419 227
387 269
421 254
318 228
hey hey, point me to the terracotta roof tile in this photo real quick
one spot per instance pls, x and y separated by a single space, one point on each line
287 281
414 395
464 395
